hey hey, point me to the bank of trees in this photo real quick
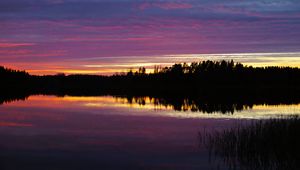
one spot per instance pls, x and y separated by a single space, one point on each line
197 78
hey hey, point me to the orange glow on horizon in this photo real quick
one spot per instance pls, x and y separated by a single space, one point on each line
99 66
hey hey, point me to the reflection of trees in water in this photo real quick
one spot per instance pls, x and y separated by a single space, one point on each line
201 104
265 144
4 98
188 104
204 105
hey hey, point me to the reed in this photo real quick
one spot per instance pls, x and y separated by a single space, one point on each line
263 144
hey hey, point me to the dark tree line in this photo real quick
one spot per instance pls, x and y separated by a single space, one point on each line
219 81
14 85
13 79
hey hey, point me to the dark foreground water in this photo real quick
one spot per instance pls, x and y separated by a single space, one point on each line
48 132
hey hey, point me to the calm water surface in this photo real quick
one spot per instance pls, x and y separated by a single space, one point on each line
48 132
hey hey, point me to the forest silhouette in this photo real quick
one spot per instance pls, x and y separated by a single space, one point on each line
224 85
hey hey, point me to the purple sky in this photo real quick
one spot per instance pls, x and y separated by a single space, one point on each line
105 36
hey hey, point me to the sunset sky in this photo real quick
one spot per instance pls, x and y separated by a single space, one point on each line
108 36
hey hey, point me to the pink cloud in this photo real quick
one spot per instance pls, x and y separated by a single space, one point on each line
34 54
102 38
12 45
165 5
14 52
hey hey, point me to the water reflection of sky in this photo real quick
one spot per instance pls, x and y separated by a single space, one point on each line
68 133
107 132
145 107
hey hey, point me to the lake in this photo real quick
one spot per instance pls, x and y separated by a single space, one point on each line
106 132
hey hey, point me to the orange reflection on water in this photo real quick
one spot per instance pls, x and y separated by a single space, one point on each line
148 106
90 101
